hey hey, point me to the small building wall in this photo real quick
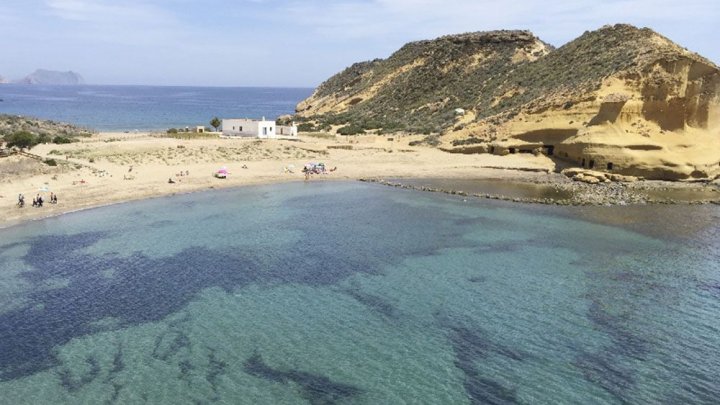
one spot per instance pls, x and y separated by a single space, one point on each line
239 127
263 129
286 130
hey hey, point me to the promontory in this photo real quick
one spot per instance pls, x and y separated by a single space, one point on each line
619 99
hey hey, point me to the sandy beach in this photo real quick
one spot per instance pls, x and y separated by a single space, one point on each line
109 168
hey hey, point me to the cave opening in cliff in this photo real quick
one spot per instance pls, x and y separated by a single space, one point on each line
512 150
591 165
609 166
549 149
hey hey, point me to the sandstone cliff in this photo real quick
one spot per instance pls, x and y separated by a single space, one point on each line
620 99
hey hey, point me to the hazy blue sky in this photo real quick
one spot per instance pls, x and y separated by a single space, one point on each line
293 42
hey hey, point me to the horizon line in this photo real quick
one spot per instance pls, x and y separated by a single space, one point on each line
161 85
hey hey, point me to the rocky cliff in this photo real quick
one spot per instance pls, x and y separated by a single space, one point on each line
620 99
419 86
50 77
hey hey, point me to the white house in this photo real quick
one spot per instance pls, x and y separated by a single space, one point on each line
256 128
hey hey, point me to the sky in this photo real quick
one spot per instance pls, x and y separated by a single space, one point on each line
294 43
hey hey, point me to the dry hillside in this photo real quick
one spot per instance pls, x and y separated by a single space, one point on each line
620 98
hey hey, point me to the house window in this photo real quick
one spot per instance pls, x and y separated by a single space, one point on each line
264 130
240 129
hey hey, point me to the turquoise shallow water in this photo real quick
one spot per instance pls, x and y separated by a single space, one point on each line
358 293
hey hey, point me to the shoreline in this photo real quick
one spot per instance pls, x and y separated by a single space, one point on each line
73 209
112 168
403 183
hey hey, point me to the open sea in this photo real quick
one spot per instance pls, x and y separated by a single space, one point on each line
127 108
357 293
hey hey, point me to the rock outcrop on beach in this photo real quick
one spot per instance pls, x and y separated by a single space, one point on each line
51 77
619 99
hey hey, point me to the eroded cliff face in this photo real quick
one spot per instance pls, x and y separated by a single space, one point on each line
658 117
680 93
659 123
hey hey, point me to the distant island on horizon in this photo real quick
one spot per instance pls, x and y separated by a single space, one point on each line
48 77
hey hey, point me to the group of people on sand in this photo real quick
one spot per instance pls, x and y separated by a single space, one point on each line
180 174
316 168
37 200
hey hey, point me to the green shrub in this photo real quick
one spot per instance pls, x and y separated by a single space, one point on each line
172 131
43 138
306 127
432 140
351 129
50 162
468 141
22 139
61 139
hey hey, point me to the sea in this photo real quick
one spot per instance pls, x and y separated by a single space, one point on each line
147 108
357 293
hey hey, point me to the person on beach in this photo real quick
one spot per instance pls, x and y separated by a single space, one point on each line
21 200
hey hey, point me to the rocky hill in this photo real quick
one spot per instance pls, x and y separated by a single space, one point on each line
41 131
50 77
621 99
419 86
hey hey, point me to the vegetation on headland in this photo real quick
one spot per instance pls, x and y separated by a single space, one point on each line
418 88
619 99
24 132
494 75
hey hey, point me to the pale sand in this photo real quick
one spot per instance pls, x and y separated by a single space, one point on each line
155 159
